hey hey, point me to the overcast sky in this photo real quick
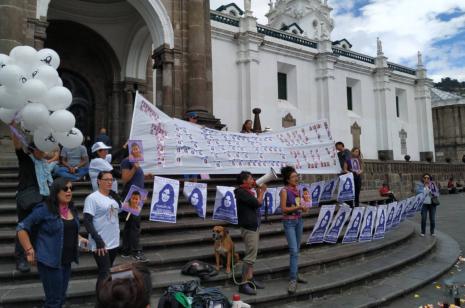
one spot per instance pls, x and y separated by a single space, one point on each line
435 27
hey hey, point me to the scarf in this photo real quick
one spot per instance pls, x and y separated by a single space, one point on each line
293 190
64 210
247 188
43 175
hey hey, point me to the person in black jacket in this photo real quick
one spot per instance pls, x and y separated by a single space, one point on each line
248 214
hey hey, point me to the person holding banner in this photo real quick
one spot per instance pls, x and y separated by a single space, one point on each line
247 127
101 210
132 174
354 164
248 215
34 178
292 222
428 207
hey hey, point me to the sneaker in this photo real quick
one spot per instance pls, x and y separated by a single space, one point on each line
258 284
301 279
125 255
292 288
422 234
247 289
139 257
433 234
23 266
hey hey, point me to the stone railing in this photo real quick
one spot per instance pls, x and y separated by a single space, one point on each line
286 36
353 55
401 176
402 69
225 19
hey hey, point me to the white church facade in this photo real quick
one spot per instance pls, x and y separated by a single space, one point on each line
295 73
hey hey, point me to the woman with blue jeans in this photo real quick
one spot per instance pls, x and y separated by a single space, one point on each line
428 206
56 245
292 222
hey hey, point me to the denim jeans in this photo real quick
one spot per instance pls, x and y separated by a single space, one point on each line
293 229
432 217
64 173
55 283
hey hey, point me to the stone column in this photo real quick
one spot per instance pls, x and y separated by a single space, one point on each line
36 33
424 113
199 55
248 60
325 80
13 27
383 108
169 80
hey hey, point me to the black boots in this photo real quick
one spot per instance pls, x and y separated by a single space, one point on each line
246 288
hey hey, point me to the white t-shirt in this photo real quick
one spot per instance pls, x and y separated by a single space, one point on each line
105 211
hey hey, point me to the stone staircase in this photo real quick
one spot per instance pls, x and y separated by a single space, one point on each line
355 275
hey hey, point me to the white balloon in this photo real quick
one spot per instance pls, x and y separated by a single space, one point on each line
59 82
24 56
7 115
5 60
33 90
58 98
10 99
49 56
71 139
12 76
47 74
34 115
62 121
44 140
27 128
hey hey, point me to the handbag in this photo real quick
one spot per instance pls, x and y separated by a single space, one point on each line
435 201
28 198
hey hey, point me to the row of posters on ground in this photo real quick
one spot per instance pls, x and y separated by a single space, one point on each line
365 223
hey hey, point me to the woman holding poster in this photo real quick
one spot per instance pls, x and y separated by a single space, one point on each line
354 165
293 224
428 207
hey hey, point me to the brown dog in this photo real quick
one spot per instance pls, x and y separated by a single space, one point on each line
224 247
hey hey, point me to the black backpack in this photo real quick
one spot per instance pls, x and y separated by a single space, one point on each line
199 269
210 297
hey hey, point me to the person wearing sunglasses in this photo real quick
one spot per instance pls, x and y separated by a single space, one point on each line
56 222
101 210
425 188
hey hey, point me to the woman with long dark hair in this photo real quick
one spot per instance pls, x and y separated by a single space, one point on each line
293 223
247 127
56 245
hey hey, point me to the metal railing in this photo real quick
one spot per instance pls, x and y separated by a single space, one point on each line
353 55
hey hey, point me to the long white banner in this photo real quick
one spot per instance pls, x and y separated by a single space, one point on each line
173 146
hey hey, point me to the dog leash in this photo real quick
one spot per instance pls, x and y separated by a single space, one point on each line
234 274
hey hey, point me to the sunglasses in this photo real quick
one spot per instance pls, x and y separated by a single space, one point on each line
67 188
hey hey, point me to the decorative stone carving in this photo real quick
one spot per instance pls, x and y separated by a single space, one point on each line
288 121
356 131
403 141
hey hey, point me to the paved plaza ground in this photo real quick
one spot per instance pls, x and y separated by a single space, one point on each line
450 219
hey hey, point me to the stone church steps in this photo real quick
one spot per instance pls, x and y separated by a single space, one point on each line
329 261
169 246
380 291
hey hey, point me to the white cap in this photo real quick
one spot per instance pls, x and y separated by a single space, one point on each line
99 146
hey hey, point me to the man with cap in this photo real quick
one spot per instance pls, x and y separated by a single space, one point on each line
102 162
192 117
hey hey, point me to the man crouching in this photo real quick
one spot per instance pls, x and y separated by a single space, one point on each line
248 214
